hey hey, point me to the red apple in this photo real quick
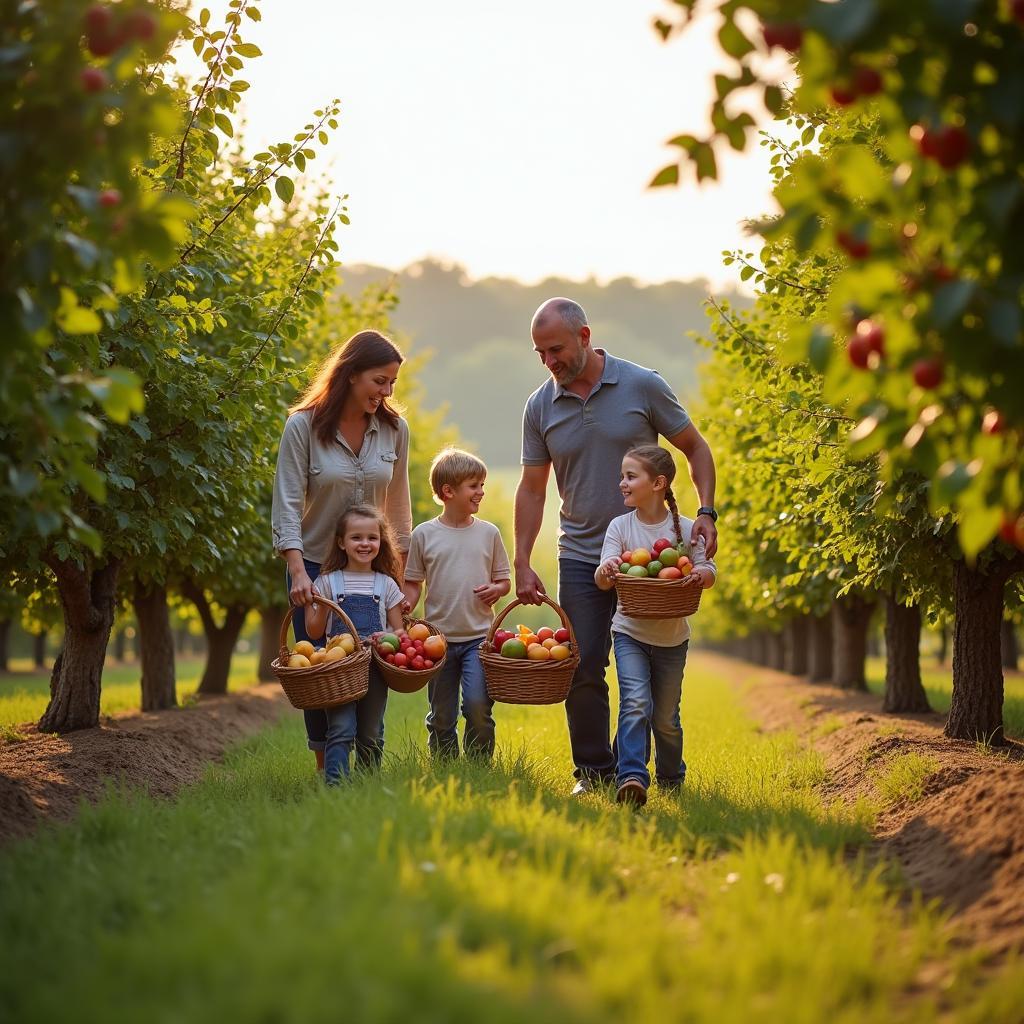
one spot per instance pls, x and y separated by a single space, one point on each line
867 81
842 94
928 373
874 336
856 248
660 544
858 351
1011 529
562 635
401 660
427 663
140 25
954 145
1017 10
100 36
390 659
93 79
787 34
417 664
993 423
500 636
110 197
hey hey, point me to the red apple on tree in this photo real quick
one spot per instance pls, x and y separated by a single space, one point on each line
856 248
928 373
787 34
842 94
93 79
110 197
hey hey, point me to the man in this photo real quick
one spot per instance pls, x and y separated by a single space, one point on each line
582 421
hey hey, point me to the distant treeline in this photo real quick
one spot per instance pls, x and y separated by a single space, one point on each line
478 332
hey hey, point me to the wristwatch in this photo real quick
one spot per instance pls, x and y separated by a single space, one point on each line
705 511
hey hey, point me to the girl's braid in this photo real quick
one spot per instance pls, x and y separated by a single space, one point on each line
670 500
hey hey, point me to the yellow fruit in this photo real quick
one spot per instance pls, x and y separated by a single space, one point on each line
299 661
538 652
336 653
317 656
333 641
549 642
640 557
347 643
303 647
559 652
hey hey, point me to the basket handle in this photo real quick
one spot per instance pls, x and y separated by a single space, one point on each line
515 604
336 608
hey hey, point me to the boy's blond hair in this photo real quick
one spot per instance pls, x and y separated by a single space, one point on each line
451 466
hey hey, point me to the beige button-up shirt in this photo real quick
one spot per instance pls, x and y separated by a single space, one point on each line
314 483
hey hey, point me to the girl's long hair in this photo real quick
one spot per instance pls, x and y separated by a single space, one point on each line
387 560
659 462
327 393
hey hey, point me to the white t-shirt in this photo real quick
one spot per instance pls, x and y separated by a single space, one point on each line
453 560
627 533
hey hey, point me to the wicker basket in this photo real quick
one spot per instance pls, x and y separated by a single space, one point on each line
652 598
520 681
406 680
330 683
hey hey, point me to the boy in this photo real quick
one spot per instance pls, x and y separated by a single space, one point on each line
466 569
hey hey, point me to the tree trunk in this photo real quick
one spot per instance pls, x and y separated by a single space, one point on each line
976 710
851 615
1009 650
157 646
942 653
5 634
39 649
819 649
88 598
220 640
777 651
797 631
270 640
903 689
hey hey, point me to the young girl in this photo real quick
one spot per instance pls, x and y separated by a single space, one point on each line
359 574
650 654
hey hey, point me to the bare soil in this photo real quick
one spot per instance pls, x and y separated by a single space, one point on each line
46 777
960 842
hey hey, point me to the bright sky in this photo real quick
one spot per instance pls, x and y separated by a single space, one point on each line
515 139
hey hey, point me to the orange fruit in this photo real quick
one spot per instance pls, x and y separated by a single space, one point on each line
303 647
545 633
317 656
538 652
434 647
559 652
640 557
531 639
419 631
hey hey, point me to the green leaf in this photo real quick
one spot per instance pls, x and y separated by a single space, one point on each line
78 320
666 176
978 525
950 301
223 122
285 188
733 41
248 50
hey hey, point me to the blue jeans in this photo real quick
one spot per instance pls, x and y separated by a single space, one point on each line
463 672
359 725
590 610
650 687
315 719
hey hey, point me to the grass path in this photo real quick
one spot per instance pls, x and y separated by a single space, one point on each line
467 893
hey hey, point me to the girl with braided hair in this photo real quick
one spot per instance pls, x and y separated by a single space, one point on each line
650 654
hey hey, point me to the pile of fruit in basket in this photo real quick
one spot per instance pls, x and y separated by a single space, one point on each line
414 650
546 644
665 562
304 655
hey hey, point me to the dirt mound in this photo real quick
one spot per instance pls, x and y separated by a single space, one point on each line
46 777
959 839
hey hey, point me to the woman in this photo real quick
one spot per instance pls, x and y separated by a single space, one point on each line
343 444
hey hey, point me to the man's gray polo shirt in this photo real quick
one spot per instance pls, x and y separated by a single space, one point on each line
585 440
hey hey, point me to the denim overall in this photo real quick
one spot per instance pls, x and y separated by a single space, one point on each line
361 722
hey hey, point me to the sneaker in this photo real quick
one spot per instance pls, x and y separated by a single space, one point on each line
583 787
632 791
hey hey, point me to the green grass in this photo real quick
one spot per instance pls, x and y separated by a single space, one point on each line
464 892
903 778
938 684
24 695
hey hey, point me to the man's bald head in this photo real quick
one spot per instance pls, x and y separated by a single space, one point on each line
559 309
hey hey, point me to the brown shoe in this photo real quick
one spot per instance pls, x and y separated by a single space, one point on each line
632 791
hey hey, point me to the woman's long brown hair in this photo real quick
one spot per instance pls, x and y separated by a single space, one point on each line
329 389
387 560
